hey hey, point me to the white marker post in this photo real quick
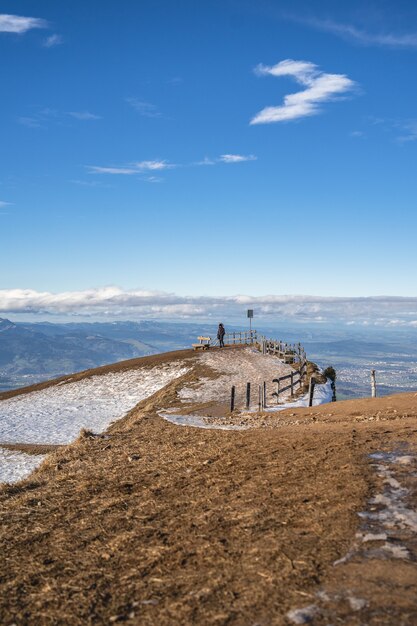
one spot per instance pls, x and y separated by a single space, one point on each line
373 384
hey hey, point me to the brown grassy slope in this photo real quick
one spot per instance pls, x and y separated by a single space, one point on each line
158 524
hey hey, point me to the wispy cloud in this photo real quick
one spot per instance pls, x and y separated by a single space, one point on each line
153 179
84 115
43 117
3 204
175 81
30 122
320 87
132 168
139 167
20 24
236 158
52 41
359 35
89 183
408 131
146 109
400 130
114 301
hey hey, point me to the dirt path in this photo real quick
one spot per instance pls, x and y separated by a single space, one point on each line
158 524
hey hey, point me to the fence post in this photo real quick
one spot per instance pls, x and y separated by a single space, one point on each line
248 395
264 394
292 384
260 397
232 399
311 391
373 384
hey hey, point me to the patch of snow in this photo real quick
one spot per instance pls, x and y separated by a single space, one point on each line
198 422
56 415
357 604
372 536
16 465
396 551
322 395
304 615
390 518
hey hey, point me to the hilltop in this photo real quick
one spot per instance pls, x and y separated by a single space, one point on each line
154 523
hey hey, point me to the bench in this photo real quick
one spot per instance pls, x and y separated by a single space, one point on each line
204 343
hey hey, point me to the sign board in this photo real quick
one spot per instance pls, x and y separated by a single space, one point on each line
250 312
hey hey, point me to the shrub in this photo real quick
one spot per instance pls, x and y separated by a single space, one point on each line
330 372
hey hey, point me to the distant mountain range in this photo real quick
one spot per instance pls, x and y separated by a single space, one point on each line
31 352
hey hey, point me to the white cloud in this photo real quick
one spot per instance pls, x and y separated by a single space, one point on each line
3 204
43 117
320 87
236 158
153 179
408 131
30 122
152 166
84 115
206 161
52 41
146 109
19 24
96 169
116 302
132 168
350 32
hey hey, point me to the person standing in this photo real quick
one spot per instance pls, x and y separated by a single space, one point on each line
220 335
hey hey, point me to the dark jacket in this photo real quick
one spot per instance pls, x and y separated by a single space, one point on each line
220 332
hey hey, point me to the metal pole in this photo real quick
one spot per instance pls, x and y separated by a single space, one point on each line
264 394
259 397
247 395
232 399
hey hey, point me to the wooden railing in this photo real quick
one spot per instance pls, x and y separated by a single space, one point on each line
296 378
287 352
237 338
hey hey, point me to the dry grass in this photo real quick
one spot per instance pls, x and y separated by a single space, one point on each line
157 524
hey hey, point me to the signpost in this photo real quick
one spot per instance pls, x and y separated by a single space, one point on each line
250 316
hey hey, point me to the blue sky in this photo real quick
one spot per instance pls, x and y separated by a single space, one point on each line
158 146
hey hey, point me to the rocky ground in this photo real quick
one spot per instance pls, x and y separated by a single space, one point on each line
308 516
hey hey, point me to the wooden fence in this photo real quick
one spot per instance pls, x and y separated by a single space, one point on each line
296 378
287 352
247 337
291 354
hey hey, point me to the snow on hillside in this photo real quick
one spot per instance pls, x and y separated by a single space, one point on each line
55 415
15 466
235 367
322 394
